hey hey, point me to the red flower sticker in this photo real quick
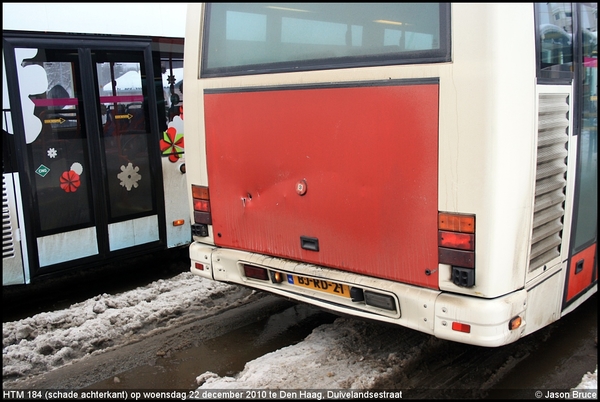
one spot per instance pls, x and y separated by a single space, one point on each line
171 144
69 181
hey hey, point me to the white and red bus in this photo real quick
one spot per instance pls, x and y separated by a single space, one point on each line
93 166
431 165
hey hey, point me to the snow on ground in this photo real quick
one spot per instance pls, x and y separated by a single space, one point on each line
49 340
589 381
341 355
333 353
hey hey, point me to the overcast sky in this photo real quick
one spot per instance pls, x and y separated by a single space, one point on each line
164 19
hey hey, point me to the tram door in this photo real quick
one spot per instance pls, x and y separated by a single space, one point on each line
91 162
583 266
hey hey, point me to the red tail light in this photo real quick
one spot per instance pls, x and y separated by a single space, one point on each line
201 203
456 246
463 241
256 272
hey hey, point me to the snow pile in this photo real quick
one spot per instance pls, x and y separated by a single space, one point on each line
589 381
343 355
333 356
48 340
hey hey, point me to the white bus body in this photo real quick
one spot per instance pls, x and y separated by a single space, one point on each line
440 192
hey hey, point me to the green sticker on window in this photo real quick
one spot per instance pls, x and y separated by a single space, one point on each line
42 170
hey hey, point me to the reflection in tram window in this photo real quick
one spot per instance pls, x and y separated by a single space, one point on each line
59 152
125 137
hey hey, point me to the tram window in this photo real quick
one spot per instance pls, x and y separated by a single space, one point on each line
58 147
586 226
555 40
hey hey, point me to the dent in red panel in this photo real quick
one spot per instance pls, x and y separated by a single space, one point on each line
355 168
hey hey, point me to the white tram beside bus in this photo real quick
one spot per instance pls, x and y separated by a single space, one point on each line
92 132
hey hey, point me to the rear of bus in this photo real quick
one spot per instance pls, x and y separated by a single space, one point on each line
354 157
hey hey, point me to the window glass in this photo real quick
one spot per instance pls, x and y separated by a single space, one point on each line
125 133
586 221
555 40
250 38
171 124
56 137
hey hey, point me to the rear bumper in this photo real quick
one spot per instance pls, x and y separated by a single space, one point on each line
425 310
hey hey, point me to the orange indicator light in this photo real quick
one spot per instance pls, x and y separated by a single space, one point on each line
456 222
514 323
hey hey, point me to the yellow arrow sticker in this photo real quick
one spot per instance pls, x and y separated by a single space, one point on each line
59 121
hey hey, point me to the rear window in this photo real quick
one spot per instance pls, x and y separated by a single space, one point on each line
256 38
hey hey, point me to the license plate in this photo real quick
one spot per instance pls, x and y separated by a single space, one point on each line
320 285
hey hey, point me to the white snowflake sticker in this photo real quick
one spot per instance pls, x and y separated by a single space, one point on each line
129 176
52 153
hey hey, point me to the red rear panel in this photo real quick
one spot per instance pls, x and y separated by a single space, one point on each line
352 171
